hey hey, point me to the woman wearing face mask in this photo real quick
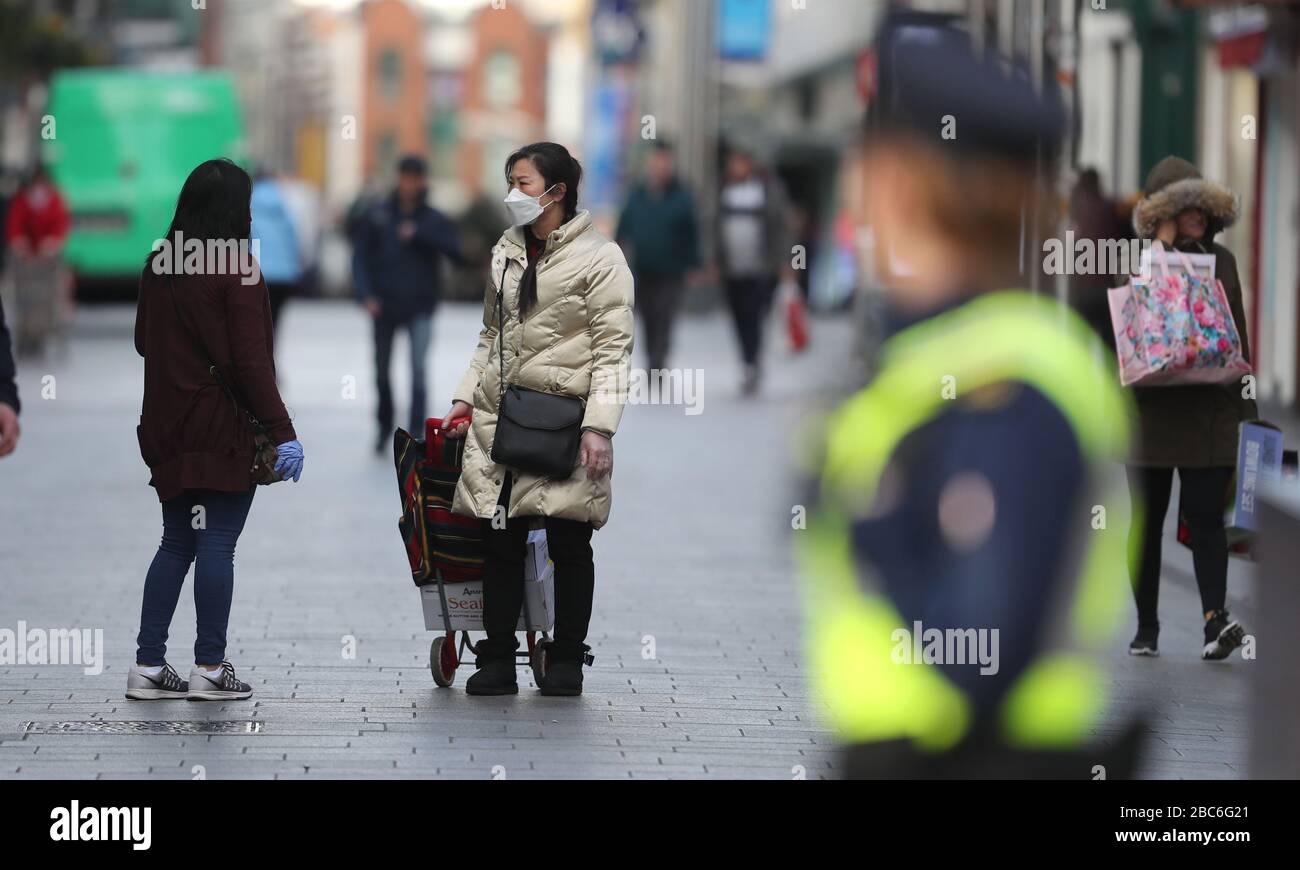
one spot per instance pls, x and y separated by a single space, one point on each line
1189 428
567 320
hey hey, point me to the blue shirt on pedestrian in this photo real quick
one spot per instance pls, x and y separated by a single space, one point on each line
273 227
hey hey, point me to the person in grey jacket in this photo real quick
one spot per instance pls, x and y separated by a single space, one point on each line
1193 429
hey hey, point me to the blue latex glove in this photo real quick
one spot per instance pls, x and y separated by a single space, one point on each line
288 463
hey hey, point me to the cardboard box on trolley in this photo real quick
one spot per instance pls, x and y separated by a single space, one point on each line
465 600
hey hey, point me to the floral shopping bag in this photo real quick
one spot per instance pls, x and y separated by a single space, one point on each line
1174 328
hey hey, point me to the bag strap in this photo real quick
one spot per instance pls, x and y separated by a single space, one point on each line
212 367
1164 262
501 335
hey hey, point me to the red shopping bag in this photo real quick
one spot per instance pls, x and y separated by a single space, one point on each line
796 318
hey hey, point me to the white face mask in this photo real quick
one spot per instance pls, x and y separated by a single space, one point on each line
525 209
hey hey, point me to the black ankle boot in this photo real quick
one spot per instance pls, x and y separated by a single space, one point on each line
496 670
564 668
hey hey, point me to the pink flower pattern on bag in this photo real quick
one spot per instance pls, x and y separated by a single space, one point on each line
1176 329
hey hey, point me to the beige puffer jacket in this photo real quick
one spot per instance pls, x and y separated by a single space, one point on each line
577 340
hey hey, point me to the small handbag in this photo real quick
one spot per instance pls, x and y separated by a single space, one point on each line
265 454
536 432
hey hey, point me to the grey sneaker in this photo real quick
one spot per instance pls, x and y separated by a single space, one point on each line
219 686
166 684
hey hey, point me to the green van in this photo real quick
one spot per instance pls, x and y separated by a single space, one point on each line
120 146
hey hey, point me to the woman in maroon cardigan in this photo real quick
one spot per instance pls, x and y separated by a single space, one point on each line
199 309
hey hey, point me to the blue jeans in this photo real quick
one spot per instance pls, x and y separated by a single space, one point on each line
419 328
212 550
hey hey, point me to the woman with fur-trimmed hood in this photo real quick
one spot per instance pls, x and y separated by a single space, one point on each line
1193 429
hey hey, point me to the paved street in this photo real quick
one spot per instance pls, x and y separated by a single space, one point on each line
698 671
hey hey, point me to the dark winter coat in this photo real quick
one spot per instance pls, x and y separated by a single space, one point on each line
1192 426
191 435
659 232
404 275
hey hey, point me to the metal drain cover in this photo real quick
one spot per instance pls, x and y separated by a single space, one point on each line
140 726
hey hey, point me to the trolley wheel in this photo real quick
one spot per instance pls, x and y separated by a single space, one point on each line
444 673
537 660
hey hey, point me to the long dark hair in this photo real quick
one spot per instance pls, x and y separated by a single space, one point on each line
556 166
213 204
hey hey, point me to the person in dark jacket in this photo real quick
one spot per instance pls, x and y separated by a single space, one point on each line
1193 429
396 263
207 343
660 236
1096 218
9 404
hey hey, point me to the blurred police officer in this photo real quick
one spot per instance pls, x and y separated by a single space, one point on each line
964 561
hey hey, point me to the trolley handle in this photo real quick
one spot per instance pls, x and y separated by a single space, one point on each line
435 424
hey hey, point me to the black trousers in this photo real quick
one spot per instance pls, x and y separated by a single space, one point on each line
658 298
1201 497
749 300
569 543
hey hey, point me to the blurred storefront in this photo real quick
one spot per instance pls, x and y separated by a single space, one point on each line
1249 137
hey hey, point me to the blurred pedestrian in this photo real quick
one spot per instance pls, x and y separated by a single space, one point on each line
37 220
478 227
209 364
307 212
278 247
355 223
36 227
1193 429
1096 218
9 404
661 239
562 294
961 589
9 185
396 266
754 253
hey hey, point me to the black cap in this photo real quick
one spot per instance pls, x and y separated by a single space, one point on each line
932 85
412 163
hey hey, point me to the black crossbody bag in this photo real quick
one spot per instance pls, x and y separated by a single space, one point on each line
536 432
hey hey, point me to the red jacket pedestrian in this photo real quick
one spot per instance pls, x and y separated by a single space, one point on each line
37 221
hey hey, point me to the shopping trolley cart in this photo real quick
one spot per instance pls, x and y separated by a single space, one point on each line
445 552
40 302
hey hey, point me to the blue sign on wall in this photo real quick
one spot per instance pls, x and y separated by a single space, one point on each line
744 29
616 31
